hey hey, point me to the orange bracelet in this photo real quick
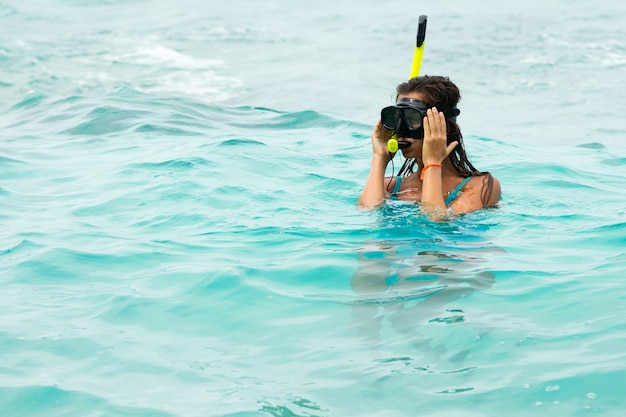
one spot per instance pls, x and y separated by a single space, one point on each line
426 167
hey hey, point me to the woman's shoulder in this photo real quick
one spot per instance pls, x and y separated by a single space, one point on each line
478 192
488 188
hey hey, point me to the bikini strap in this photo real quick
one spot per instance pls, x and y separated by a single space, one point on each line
454 193
396 188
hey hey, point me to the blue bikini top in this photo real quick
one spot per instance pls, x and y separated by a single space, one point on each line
452 195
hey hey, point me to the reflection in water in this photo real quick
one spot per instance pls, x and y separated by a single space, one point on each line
409 276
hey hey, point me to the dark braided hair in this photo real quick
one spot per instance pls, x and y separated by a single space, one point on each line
443 94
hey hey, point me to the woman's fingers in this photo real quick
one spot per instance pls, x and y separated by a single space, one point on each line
434 124
435 137
451 147
381 132
377 127
380 136
426 124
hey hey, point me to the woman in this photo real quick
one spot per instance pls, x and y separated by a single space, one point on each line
436 173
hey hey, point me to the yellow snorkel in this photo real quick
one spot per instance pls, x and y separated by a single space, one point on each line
418 54
419 47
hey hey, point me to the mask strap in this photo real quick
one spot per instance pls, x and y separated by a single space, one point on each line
452 113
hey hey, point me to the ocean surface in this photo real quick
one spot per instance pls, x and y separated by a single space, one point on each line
178 230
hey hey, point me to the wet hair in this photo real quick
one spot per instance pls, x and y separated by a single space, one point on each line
442 93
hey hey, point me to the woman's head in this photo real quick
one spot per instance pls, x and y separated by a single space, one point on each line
437 91
440 92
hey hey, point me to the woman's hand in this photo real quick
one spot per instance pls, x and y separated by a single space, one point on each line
434 150
380 137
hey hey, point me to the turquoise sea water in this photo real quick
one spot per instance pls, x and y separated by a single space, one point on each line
178 231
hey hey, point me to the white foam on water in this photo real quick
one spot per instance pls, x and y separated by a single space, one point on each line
164 56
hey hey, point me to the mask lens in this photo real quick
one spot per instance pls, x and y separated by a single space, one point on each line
389 117
413 118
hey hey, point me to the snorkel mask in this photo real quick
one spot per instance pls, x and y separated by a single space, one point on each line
406 118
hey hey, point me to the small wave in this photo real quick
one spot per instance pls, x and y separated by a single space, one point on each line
166 130
106 120
294 407
22 246
591 145
349 298
4 160
127 110
609 236
241 142
55 400
33 99
255 118
176 164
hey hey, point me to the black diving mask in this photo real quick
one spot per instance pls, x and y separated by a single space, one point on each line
406 117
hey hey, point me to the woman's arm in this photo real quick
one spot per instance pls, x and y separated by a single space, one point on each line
434 152
373 193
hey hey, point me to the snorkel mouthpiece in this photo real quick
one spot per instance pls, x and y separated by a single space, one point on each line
401 130
393 144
